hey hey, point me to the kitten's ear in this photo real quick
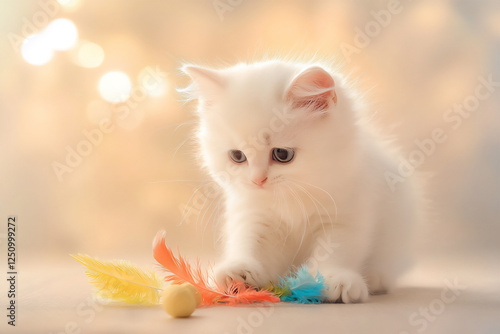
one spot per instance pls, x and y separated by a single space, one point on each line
313 89
207 83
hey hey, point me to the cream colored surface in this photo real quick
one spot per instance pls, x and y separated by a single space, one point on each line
443 297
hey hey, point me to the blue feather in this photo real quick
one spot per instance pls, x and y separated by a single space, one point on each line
302 287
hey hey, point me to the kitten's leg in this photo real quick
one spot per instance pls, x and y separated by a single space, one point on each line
385 263
391 253
252 252
341 264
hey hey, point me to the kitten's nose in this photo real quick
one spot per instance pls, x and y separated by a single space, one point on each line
258 170
259 181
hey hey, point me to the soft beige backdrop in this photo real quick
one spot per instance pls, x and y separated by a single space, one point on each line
422 60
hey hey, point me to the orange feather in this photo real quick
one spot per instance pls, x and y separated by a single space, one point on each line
180 271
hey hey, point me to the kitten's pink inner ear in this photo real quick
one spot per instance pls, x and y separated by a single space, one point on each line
313 88
209 81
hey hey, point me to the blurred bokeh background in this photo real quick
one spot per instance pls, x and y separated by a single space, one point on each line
108 70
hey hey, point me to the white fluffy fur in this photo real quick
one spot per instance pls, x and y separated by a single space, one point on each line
330 205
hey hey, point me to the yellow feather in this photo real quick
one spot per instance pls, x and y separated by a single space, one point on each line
122 281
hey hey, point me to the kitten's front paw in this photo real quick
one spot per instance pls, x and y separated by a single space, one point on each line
249 272
345 286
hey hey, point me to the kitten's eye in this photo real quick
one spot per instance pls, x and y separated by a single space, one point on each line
283 155
237 156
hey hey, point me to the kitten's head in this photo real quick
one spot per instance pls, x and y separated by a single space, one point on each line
266 123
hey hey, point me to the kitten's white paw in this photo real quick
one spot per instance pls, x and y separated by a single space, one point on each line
345 286
250 272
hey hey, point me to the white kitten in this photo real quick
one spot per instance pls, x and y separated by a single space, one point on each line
303 178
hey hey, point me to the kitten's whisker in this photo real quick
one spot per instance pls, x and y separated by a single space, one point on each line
185 123
287 223
214 200
207 222
290 225
185 214
330 220
277 204
207 196
215 226
220 211
179 147
326 192
313 200
171 181
199 189
326 211
219 238
177 126
216 209
306 220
